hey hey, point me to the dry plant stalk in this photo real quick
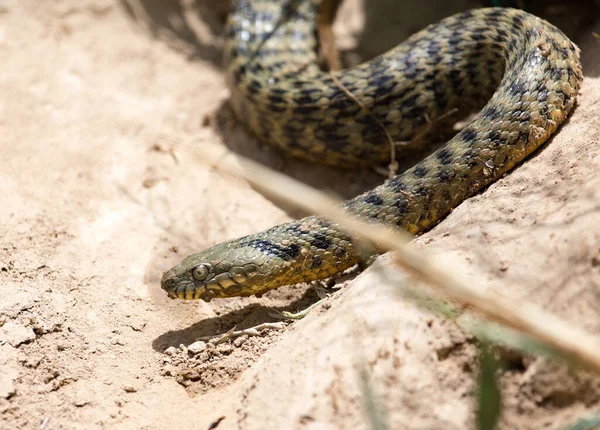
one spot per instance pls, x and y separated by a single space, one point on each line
325 19
516 314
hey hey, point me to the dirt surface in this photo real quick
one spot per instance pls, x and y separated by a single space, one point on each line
105 107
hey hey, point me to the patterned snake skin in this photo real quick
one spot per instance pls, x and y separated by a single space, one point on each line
526 70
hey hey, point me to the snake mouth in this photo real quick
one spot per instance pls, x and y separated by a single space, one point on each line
175 286
180 287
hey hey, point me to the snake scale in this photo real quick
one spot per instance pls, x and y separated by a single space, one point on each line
518 71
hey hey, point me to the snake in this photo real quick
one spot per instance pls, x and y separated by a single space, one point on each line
518 72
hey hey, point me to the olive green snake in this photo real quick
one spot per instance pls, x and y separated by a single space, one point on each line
518 71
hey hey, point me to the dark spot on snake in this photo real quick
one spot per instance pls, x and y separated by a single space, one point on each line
238 74
234 54
317 260
340 103
420 191
278 91
276 99
419 171
293 250
433 49
444 156
303 100
445 175
402 205
257 68
373 199
494 137
477 36
253 89
381 90
499 37
465 15
396 184
308 91
378 79
470 158
231 32
517 20
563 51
453 41
556 73
321 241
304 110
491 112
469 135
300 84
283 252
497 12
410 102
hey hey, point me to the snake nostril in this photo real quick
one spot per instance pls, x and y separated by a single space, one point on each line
168 282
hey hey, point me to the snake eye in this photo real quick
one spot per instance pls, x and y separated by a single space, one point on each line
200 272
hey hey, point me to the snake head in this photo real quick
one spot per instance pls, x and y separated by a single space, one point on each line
225 270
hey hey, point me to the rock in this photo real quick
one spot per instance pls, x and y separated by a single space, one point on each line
16 334
9 371
240 341
7 382
81 402
171 350
12 304
7 386
197 347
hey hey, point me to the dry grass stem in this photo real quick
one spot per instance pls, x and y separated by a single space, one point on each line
513 313
325 20
393 166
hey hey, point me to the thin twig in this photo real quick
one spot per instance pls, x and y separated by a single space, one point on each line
252 331
325 19
393 166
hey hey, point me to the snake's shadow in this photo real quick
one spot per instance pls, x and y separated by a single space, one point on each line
245 318
172 22
342 182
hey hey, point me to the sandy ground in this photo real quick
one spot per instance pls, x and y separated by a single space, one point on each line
105 106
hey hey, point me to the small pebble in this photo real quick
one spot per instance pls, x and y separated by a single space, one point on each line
240 341
197 347
170 350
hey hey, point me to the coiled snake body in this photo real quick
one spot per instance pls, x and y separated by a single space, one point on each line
526 69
